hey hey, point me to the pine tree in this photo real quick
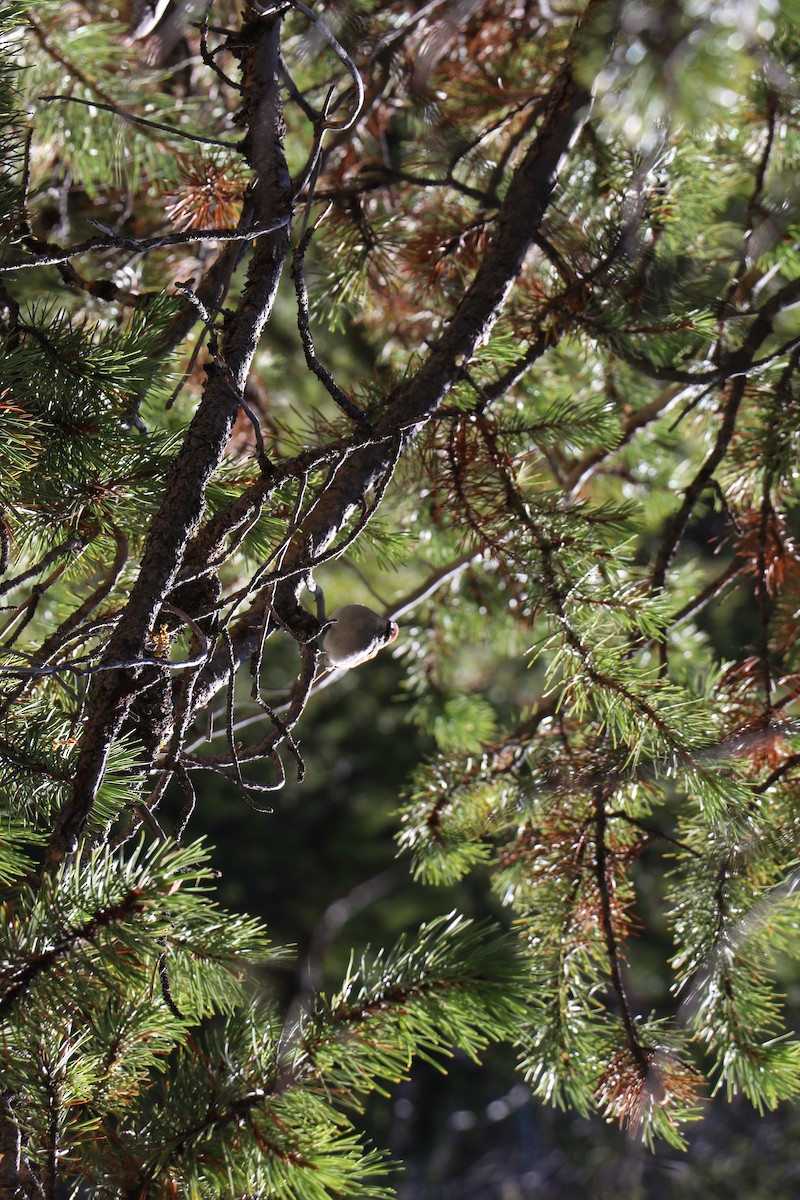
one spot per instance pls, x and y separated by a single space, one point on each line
499 299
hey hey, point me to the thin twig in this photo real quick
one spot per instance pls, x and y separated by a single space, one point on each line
166 986
145 245
207 56
63 548
191 801
604 874
133 120
348 407
350 66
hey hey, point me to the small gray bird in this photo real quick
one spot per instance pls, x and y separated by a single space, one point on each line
356 635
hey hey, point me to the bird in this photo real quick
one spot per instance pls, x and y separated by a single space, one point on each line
356 634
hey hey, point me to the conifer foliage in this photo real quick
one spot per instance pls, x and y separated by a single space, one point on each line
494 301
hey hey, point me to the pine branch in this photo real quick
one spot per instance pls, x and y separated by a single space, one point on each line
20 978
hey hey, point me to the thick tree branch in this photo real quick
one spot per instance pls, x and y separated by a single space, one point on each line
184 496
